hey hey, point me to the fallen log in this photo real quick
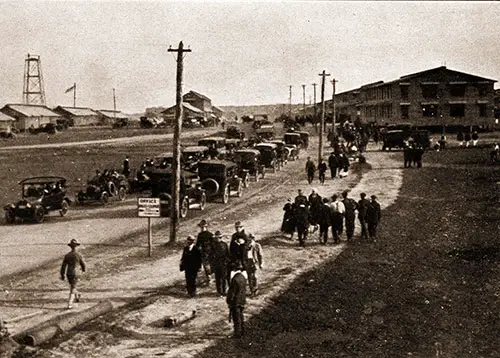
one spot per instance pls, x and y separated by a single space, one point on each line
178 319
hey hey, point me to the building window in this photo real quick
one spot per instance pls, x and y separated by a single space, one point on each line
430 91
404 91
483 110
429 110
405 111
458 90
457 110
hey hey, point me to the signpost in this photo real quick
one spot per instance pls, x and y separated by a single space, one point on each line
148 208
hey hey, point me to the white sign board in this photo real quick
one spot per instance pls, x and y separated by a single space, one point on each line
148 207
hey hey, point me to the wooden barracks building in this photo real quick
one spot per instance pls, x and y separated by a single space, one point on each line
438 96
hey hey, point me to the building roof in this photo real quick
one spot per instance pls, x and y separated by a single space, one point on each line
443 68
198 95
186 106
77 111
109 113
32 110
5 118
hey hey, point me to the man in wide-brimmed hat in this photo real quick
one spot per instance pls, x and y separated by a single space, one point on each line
69 269
220 260
190 264
204 243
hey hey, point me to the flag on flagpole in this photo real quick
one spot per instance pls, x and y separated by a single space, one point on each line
70 89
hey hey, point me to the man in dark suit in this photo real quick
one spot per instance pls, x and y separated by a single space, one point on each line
204 243
191 264
219 260
373 217
333 163
238 246
362 210
236 299
324 221
350 206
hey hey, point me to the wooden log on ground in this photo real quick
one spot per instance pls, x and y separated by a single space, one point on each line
178 319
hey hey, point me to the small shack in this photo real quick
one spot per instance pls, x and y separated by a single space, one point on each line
78 116
111 117
6 123
30 115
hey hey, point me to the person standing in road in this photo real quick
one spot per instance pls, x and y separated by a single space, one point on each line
254 261
126 167
322 171
310 169
69 269
333 163
350 206
288 224
362 211
219 258
301 198
239 246
337 214
475 138
324 221
190 264
315 203
204 243
373 213
236 299
302 222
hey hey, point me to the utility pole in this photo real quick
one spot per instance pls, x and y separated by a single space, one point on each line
176 167
320 149
333 105
74 95
315 114
290 103
114 106
304 99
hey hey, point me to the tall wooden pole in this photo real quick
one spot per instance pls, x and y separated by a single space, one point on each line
74 95
290 103
315 112
333 105
176 167
114 105
322 124
304 99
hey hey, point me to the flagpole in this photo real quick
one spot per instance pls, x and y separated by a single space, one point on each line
74 95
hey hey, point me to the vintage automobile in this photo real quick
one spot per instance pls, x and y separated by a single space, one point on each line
104 186
282 151
260 120
40 195
232 144
421 138
248 160
235 132
293 138
220 179
216 146
265 132
192 196
269 155
191 155
163 160
304 136
394 139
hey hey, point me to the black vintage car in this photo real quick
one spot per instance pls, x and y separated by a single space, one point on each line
248 161
293 138
394 139
220 179
40 195
192 155
216 146
269 155
192 196
104 186
304 137
265 132
282 151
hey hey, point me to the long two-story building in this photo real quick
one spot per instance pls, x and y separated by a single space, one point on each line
438 96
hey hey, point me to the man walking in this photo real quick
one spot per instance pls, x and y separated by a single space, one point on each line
337 214
69 269
373 217
302 222
322 171
310 169
126 167
324 221
236 299
239 246
350 206
219 260
301 198
362 212
190 264
204 243
254 260
333 163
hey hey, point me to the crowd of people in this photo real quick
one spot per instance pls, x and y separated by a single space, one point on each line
337 162
336 213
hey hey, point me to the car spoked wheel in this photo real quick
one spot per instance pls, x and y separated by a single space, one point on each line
104 197
184 208
122 193
39 215
225 195
9 217
64 208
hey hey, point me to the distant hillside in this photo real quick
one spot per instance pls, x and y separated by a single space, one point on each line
272 110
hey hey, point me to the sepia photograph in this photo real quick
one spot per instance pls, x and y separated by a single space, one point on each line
222 179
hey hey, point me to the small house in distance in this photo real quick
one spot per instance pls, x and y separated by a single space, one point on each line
111 117
199 101
6 123
78 116
30 115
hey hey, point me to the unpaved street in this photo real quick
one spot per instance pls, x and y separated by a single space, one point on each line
161 281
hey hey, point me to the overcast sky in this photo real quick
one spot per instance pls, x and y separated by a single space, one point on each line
242 53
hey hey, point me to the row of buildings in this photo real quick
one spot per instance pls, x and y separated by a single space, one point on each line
434 97
22 117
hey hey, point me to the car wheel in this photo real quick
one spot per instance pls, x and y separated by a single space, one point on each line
245 182
64 208
80 199
274 167
263 173
225 195
203 201
122 193
105 197
239 191
184 208
39 215
10 217
257 177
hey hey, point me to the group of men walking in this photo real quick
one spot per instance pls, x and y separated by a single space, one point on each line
337 162
335 213
232 265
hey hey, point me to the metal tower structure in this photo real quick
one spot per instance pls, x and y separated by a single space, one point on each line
33 88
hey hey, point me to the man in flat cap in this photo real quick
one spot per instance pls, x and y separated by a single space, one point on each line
204 243
69 269
373 217
190 264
